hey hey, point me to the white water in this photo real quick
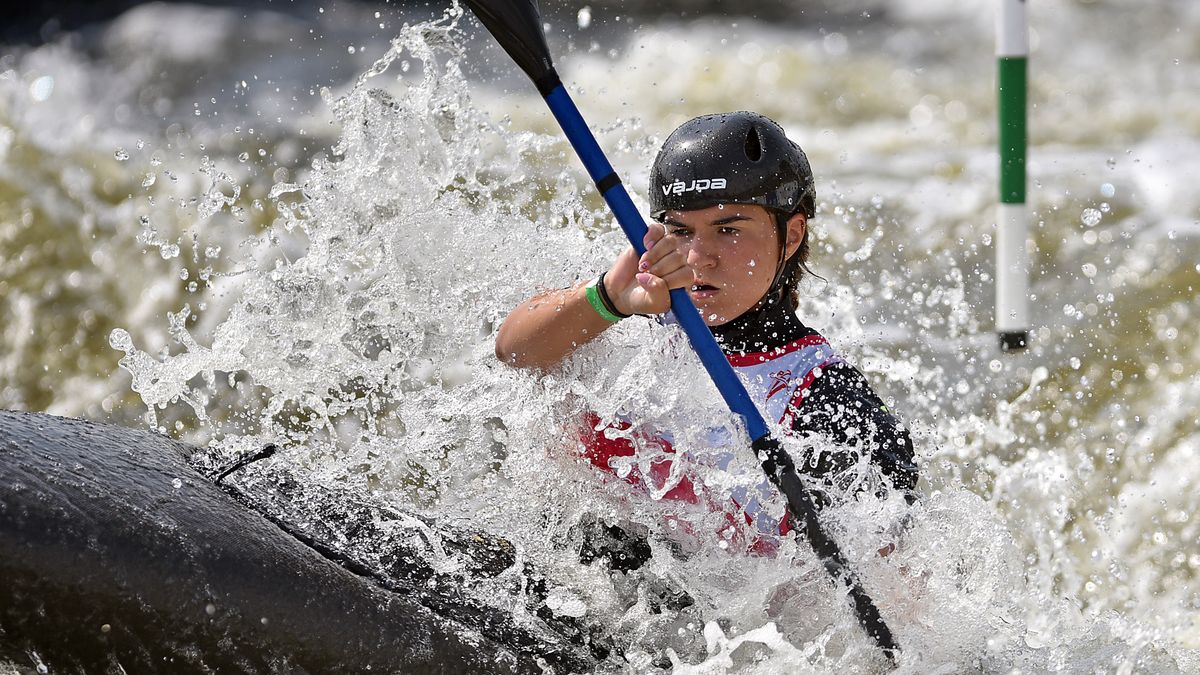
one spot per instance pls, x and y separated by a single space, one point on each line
350 306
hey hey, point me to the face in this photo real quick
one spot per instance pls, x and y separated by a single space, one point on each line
733 250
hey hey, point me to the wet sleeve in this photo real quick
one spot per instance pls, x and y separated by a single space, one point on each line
841 406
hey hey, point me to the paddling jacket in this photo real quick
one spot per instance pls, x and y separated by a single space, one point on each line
796 379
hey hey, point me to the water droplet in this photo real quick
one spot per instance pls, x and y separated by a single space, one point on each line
41 88
835 44
1091 217
121 155
995 366
243 156
1108 190
149 180
168 251
1089 270
119 339
176 483
584 17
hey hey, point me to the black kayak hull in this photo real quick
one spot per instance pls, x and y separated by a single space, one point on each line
116 554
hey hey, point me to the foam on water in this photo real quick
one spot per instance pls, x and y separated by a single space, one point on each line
346 309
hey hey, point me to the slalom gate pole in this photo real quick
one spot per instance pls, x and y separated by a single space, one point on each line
1012 216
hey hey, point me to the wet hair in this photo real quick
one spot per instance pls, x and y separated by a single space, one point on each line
796 267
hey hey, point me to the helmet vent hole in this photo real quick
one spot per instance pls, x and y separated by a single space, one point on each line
753 145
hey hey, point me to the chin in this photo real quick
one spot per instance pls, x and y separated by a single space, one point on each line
706 308
721 319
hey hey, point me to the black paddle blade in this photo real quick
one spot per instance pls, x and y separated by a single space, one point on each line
803 512
517 26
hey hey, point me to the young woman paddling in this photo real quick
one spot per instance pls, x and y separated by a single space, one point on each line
732 197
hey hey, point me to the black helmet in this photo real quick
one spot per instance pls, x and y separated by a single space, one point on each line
731 158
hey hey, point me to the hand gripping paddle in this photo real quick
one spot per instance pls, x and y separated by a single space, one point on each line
517 25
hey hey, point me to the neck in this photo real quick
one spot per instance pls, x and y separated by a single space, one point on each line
768 325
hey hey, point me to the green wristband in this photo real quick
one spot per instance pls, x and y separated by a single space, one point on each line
593 297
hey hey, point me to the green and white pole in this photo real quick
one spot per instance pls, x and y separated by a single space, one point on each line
1012 217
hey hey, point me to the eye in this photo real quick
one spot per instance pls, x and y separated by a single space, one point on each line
677 231
729 230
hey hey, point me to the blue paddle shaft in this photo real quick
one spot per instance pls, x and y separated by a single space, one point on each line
703 342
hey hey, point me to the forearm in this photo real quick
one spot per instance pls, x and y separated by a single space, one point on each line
545 329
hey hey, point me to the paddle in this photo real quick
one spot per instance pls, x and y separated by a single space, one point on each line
517 25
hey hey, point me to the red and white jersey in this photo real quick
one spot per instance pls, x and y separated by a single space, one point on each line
789 371
778 382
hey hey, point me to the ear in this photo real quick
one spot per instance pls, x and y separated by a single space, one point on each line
796 227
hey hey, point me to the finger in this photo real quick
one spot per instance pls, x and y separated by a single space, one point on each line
655 253
679 279
654 233
654 286
670 263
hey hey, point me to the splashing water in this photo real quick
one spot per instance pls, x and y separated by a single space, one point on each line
346 311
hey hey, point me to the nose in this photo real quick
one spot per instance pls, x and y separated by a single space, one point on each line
701 252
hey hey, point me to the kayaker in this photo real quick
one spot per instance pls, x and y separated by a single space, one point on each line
731 197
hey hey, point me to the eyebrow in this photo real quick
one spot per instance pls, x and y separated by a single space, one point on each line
716 223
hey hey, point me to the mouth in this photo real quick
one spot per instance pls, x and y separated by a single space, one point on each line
703 290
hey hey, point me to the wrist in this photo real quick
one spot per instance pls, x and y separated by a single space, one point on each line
609 301
598 302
